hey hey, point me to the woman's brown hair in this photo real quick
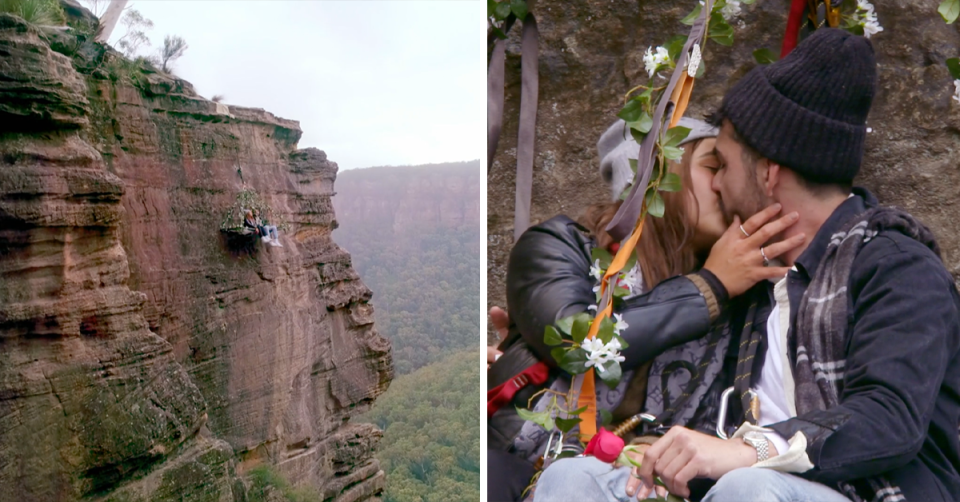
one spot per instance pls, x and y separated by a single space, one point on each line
665 248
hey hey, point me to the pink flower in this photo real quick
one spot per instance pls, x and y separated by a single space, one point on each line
605 445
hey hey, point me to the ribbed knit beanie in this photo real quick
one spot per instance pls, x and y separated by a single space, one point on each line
808 111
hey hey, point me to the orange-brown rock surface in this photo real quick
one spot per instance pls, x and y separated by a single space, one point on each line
144 354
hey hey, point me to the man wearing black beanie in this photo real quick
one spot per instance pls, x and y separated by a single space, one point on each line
851 360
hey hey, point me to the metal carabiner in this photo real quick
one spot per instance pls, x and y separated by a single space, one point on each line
722 414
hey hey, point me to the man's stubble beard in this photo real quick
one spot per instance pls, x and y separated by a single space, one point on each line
747 203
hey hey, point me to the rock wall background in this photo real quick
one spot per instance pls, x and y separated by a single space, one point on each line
144 355
591 54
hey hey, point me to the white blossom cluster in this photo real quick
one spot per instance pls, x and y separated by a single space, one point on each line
654 60
631 279
730 10
867 18
599 353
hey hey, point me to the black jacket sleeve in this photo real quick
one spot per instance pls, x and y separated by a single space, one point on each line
904 335
548 278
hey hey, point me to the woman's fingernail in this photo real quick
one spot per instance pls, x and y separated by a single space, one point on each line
794 215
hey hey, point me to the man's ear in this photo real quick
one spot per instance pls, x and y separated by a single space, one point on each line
771 179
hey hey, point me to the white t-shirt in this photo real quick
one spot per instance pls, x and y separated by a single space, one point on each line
776 386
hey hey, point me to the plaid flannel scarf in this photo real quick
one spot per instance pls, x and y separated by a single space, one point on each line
821 328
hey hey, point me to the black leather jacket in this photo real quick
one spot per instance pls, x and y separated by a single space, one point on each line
548 278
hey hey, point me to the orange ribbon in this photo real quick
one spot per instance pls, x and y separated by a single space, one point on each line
588 389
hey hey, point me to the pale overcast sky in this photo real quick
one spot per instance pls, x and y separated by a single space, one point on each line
371 82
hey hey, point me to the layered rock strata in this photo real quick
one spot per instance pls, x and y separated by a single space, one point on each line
143 354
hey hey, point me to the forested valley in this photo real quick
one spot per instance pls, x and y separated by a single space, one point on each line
414 234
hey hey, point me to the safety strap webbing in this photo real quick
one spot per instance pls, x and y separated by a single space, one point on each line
528 124
495 99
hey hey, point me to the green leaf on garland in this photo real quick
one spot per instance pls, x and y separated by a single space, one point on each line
675 45
631 111
654 204
670 183
747 2
655 172
720 31
719 25
605 334
724 40
626 192
611 374
953 64
558 354
603 255
577 411
502 10
519 8
643 124
701 70
573 361
623 343
673 153
633 165
581 326
491 8
675 135
567 424
620 291
605 417
692 17
552 337
499 33
542 418
565 325
631 261
949 10
765 56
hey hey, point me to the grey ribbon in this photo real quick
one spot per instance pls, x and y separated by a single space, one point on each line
495 99
626 218
528 125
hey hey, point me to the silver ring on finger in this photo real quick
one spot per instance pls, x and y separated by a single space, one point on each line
745 234
766 261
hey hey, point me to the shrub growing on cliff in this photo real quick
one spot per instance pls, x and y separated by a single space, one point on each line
265 479
135 36
173 47
41 12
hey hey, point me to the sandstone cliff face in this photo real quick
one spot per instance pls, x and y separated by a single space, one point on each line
591 53
144 356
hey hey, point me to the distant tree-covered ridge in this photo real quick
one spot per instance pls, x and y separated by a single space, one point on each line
431 422
414 234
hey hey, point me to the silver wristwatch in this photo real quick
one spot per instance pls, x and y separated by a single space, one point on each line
758 441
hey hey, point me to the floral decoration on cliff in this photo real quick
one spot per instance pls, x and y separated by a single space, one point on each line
953 65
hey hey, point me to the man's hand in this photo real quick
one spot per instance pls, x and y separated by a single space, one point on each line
737 260
683 454
501 322
634 482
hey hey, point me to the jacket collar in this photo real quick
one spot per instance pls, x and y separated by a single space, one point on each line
856 204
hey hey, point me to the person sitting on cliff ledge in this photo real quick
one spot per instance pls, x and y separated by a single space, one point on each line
267 232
